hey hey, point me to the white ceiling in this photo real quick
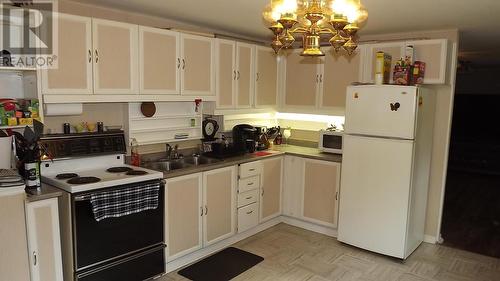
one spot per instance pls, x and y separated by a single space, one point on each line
477 20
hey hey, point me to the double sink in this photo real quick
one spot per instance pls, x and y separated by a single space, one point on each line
166 165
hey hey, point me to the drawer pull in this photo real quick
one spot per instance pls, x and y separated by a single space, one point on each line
251 170
248 198
35 258
250 183
248 213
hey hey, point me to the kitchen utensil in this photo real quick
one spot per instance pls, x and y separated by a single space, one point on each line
148 109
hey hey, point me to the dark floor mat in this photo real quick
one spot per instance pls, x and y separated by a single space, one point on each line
221 266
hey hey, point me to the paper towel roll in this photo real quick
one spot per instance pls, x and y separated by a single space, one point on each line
5 152
61 109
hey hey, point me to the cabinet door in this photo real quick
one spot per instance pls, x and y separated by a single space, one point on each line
245 54
73 74
266 86
434 54
226 73
115 57
302 80
320 199
14 263
198 65
44 242
159 60
395 49
183 221
338 73
293 186
219 198
270 201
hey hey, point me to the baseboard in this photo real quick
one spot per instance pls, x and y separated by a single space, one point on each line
430 239
310 226
190 258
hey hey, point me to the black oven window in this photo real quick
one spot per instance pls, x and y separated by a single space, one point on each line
332 141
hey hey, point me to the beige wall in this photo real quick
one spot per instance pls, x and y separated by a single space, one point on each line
444 110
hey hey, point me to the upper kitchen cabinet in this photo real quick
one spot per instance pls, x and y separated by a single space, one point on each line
73 74
197 65
245 54
303 81
235 74
339 72
159 61
266 80
226 73
115 57
395 49
433 52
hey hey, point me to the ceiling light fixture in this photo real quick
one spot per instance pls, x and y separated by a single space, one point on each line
337 19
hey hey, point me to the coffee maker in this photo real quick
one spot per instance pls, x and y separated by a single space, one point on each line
244 137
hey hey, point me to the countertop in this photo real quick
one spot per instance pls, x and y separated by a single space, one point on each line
45 192
300 151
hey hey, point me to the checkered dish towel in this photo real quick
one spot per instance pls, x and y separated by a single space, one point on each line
126 201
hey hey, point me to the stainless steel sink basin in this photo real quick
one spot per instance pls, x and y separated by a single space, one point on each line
200 160
169 165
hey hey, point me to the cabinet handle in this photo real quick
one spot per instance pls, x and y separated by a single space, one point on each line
90 55
248 198
206 210
262 192
96 55
250 183
238 75
201 209
248 213
178 63
257 80
183 64
35 258
337 195
251 170
321 78
234 73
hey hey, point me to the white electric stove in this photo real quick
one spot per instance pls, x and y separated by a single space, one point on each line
89 173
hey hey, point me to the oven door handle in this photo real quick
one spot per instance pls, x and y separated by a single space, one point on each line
82 198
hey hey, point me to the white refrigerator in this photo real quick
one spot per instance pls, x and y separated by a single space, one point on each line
385 168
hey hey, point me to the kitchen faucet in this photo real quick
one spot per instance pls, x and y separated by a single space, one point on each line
172 153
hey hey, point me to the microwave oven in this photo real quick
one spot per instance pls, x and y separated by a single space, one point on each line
331 141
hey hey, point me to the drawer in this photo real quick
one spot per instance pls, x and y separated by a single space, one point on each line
248 184
248 217
250 169
248 197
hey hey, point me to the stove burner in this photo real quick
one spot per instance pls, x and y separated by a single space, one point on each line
83 180
136 173
65 176
119 169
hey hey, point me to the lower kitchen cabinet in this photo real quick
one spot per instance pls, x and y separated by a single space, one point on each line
200 210
248 216
219 199
311 190
271 186
14 262
44 242
321 186
183 218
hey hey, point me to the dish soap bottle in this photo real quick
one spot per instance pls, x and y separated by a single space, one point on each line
135 158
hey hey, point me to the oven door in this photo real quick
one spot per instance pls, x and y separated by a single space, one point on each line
96 243
331 142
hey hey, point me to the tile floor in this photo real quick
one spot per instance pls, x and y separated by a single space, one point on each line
292 253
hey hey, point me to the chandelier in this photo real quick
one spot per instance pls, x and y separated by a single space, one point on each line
339 20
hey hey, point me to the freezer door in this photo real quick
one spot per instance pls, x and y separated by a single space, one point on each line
374 196
386 111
